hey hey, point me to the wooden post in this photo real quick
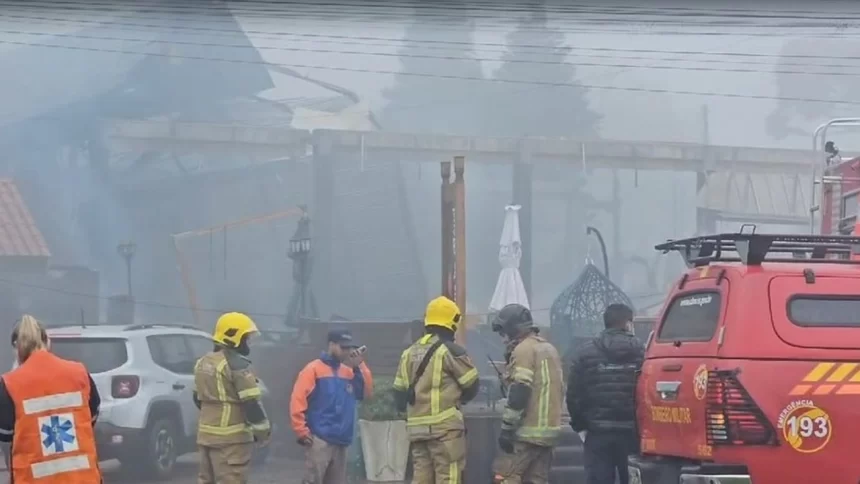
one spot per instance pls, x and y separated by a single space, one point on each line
460 243
522 195
447 246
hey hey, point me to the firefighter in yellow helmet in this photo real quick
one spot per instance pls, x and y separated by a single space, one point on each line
531 421
435 377
232 417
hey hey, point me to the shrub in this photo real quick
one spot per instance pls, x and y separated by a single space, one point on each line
380 406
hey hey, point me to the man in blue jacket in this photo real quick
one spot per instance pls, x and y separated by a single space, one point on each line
323 405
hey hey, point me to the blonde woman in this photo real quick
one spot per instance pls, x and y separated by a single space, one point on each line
5 445
48 407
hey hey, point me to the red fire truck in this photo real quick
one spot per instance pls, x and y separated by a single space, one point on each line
836 183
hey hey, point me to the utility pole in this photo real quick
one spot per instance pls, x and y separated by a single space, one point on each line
705 222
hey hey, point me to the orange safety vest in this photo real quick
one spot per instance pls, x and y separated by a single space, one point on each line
54 440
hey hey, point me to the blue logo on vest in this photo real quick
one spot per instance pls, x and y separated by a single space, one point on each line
58 434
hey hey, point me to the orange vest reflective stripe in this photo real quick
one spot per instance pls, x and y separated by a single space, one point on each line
54 440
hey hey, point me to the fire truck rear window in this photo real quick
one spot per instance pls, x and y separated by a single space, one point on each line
824 311
691 317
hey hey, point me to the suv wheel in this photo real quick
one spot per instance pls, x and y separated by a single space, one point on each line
160 449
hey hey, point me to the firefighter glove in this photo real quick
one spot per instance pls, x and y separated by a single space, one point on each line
506 441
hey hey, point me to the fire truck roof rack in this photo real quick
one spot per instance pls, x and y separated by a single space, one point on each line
753 249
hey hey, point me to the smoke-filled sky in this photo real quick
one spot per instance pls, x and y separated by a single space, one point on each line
727 73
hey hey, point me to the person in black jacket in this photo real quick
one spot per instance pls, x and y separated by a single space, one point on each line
601 396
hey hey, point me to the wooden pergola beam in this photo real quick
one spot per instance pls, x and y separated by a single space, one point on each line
278 141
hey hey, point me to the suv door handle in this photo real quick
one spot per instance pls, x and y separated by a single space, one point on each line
668 390
178 386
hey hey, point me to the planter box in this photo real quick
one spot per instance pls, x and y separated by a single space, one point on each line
385 446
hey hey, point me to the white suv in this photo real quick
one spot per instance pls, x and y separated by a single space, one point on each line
144 374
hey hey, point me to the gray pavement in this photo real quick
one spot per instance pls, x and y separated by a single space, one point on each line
275 471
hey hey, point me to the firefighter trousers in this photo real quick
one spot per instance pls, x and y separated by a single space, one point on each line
528 464
225 464
440 460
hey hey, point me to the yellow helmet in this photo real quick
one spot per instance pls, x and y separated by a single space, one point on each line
232 327
442 312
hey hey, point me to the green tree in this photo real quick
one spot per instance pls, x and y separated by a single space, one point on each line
540 110
436 105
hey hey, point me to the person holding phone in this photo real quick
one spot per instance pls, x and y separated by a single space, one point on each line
323 406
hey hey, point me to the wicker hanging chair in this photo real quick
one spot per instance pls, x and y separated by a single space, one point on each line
577 313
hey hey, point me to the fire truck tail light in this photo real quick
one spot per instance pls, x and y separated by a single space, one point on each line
732 417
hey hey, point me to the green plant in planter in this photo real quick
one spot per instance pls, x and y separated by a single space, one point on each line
381 405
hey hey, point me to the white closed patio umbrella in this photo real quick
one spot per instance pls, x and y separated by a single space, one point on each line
509 288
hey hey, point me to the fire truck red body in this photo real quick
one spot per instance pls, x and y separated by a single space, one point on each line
839 198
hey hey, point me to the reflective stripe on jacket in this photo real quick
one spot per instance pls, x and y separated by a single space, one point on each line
221 391
53 442
440 388
323 402
535 362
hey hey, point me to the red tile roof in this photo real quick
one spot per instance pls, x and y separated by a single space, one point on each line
19 236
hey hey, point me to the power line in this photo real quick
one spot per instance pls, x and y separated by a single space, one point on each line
464 58
431 43
443 76
443 57
418 10
460 99
518 92
567 7
459 26
520 7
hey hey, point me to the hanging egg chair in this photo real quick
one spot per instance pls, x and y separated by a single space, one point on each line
577 313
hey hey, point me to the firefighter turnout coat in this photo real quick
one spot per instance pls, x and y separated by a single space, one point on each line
449 380
535 362
224 386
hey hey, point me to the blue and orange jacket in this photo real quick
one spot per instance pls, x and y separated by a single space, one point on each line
324 399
